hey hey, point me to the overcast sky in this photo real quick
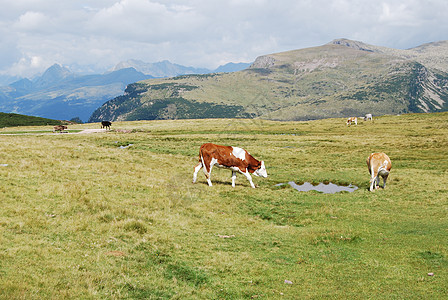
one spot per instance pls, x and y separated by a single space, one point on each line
97 34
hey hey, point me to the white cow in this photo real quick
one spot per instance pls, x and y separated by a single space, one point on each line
368 117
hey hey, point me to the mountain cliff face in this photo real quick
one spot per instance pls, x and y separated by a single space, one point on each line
340 79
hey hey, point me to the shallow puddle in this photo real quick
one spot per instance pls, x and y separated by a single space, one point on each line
329 188
124 147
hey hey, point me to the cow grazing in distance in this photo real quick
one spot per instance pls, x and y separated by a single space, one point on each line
233 158
59 128
368 117
379 164
106 124
352 120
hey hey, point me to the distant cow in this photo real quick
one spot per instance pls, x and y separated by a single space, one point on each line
379 164
59 128
233 158
368 117
352 120
106 124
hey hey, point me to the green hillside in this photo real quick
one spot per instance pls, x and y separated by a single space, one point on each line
11 120
332 80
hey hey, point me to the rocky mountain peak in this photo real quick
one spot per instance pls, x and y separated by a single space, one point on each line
54 74
354 45
56 71
263 62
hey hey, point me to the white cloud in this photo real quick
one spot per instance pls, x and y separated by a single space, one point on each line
398 15
30 20
145 21
201 33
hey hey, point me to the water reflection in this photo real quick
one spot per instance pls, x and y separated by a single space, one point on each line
329 188
124 147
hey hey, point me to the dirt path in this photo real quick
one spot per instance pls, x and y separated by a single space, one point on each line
90 131
85 131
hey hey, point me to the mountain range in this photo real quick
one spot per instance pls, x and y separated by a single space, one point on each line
61 94
168 69
339 79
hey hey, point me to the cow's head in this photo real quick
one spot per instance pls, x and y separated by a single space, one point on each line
261 171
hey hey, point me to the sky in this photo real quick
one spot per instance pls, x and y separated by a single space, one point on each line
92 36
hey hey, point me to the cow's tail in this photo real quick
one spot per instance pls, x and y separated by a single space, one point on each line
201 159
198 166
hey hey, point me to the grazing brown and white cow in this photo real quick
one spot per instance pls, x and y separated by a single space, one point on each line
379 165
59 128
352 120
233 158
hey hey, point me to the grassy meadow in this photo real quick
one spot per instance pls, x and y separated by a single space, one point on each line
115 215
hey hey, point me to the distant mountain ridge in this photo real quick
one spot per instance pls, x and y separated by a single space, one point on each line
168 69
61 94
339 79
159 69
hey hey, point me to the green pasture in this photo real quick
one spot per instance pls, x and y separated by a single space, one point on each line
115 215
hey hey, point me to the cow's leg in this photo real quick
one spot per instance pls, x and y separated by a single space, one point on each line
233 178
207 165
247 174
207 175
208 178
372 184
372 178
196 170
374 181
377 181
384 180
209 172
